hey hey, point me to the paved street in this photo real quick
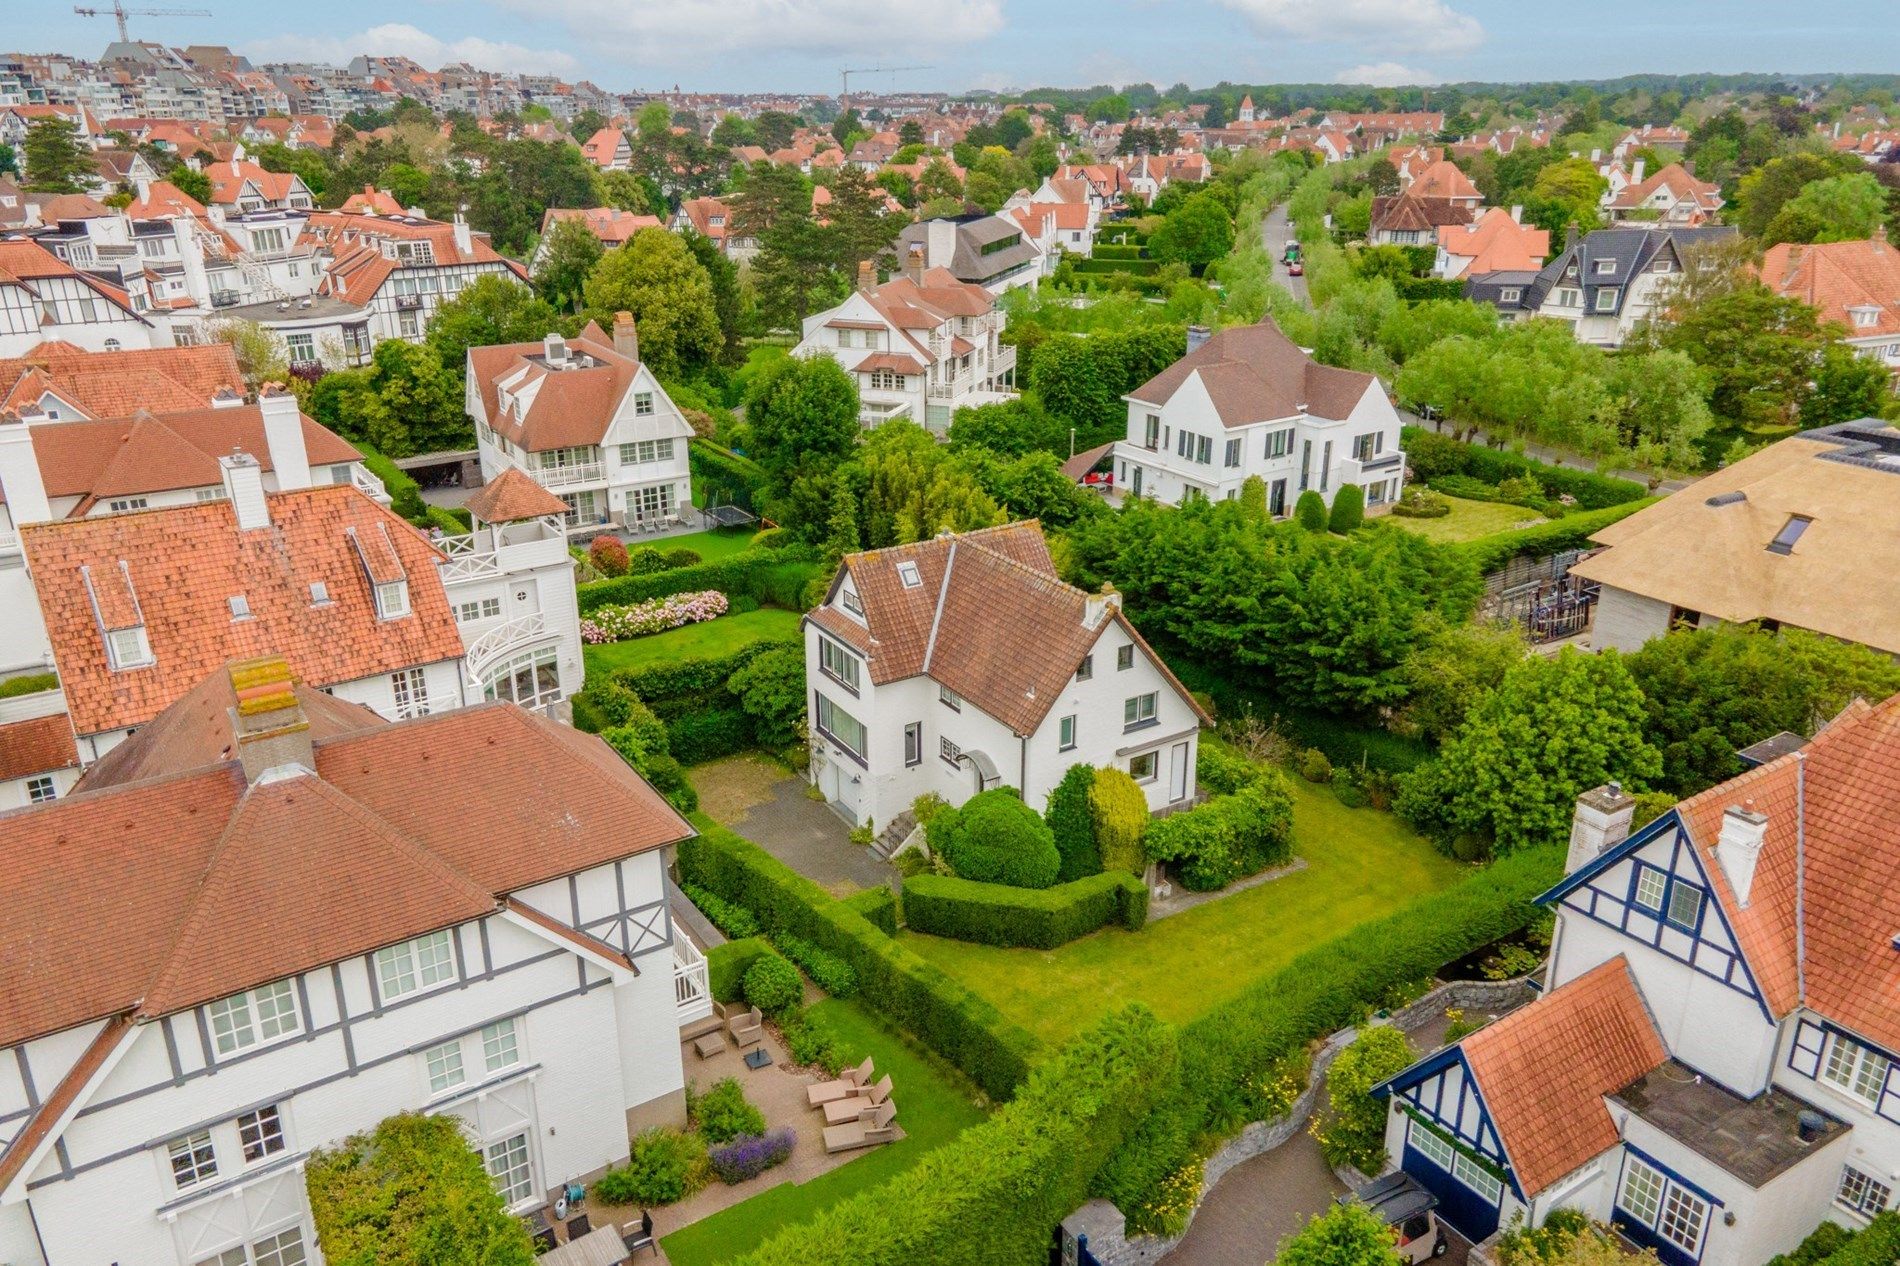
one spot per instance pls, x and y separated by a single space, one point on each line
1275 233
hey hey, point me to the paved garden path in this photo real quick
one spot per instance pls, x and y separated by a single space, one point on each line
763 803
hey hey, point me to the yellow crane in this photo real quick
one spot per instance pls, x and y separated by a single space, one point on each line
844 80
119 11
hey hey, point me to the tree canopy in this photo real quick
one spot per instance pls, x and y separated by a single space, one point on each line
655 277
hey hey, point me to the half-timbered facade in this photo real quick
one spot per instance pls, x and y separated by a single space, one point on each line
1713 1066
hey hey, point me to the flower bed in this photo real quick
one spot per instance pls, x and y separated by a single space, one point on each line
750 1155
656 615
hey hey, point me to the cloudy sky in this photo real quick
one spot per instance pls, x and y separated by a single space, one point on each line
760 45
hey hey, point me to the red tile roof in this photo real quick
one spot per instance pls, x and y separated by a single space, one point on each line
1837 277
1254 373
1543 1071
510 497
178 568
1496 242
569 407
609 224
24 262
1681 185
39 745
117 384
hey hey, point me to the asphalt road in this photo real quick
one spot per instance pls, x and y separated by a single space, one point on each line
1275 233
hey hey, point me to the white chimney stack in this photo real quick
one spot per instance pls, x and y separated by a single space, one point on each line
283 436
20 476
1636 171
1601 822
1738 847
940 237
464 240
244 486
1517 213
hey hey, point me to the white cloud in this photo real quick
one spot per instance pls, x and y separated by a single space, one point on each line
863 32
1429 26
1385 75
399 39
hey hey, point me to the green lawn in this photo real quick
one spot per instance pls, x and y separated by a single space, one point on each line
713 637
1361 865
1469 520
710 546
935 1104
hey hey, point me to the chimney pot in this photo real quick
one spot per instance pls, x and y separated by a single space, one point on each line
271 733
867 276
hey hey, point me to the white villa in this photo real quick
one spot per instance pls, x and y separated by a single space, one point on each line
586 420
305 940
1713 1067
962 663
921 346
1246 402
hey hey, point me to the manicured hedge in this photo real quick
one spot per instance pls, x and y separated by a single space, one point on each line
705 734
996 1193
1430 455
726 965
735 921
879 905
1332 985
1137 267
1040 918
1573 531
723 475
1115 250
775 577
698 675
1228 837
917 996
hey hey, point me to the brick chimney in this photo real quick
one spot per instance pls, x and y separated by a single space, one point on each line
914 263
867 276
1601 822
626 336
268 726
283 436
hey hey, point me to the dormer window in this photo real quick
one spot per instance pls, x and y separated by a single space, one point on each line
1865 316
849 597
392 600
1604 267
128 648
908 575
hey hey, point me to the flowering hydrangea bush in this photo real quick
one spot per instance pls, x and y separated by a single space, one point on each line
616 624
750 1155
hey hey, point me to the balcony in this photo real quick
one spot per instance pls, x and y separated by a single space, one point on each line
1005 359
470 558
9 541
368 484
504 549
552 477
408 303
503 640
692 994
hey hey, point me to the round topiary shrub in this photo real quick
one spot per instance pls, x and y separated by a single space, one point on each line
1349 509
1310 511
772 985
683 558
1314 767
995 838
608 554
645 561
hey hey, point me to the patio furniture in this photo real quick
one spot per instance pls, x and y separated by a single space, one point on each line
758 1058
881 1128
747 1028
859 1106
601 1247
709 1044
853 1080
641 1236
578 1227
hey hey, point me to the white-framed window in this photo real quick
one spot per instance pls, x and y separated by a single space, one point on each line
1510 294
192 1159
888 380
1603 267
641 452
1685 905
914 743
40 789
202 495
949 751
124 505
282 1249
1086 669
1862 1193
841 727
486 609
507 1162
531 679
655 501
1650 883
838 663
1476 1177
1145 767
1859 1070
1642 1192
444 1064
1139 709
642 403
301 347
407 325
411 689
392 599
1231 454
418 964
128 648
1065 732
1279 443
259 1015
1124 657
909 576
1606 299
949 698
261 1134
501 1046
1429 1144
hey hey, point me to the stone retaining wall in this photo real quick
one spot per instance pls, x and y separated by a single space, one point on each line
1107 1229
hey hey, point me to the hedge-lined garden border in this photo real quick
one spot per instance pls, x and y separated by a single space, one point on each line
774 577
918 997
1036 918
1573 531
1431 455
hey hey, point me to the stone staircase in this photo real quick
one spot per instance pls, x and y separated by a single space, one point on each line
893 834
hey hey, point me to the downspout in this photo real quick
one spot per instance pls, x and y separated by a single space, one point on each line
1022 768
1800 877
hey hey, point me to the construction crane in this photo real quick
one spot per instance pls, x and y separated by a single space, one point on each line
119 11
844 80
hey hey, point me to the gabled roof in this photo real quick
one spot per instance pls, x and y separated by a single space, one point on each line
177 569
1681 186
1410 213
610 225
1630 248
1443 179
1837 278
1254 373
1544 1069
116 384
24 262
38 745
1496 242
565 407
164 201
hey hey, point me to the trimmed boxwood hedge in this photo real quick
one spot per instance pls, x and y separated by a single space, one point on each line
996 1192
1039 918
775 577
1330 986
917 996
1488 553
1430 455
708 733
879 905
723 474
726 966
699 675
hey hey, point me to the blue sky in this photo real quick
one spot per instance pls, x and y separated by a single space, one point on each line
766 45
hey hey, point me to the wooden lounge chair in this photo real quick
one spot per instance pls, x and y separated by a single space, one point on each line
859 1106
747 1028
881 1128
854 1080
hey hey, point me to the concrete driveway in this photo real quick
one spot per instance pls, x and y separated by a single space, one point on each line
768 806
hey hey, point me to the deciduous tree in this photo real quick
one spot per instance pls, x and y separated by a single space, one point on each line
655 277
569 254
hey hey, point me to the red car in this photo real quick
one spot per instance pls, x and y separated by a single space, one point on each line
1296 269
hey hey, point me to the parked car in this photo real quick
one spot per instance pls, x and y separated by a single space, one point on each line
1296 269
1409 1209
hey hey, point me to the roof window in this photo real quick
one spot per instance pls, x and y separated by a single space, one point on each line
1790 533
908 574
240 606
128 648
319 593
392 599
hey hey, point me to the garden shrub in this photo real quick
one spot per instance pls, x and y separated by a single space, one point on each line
1489 553
608 554
768 575
666 1166
1119 811
771 538
1315 767
1431 455
750 1155
656 615
742 604
1228 837
1349 786
1420 503
1073 825
644 560
727 965
653 762
879 905
812 1045
770 688
1040 918
995 838
1352 1131
772 985
697 676
915 995
1466 488
723 1113
829 972
996 1192
1221 771
704 734
1349 509
1310 511
735 921
683 558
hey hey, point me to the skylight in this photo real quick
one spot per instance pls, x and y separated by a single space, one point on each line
1790 533
907 572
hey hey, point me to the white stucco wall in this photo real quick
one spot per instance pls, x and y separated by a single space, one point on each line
1624 621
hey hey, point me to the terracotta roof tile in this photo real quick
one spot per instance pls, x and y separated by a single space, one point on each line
568 407
512 496
1255 373
1543 1071
115 384
1838 277
38 745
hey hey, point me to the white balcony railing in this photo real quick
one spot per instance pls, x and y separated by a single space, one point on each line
692 994
569 476
363 481
1004 360
470 557
496 644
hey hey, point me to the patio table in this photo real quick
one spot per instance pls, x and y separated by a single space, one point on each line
600 1247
